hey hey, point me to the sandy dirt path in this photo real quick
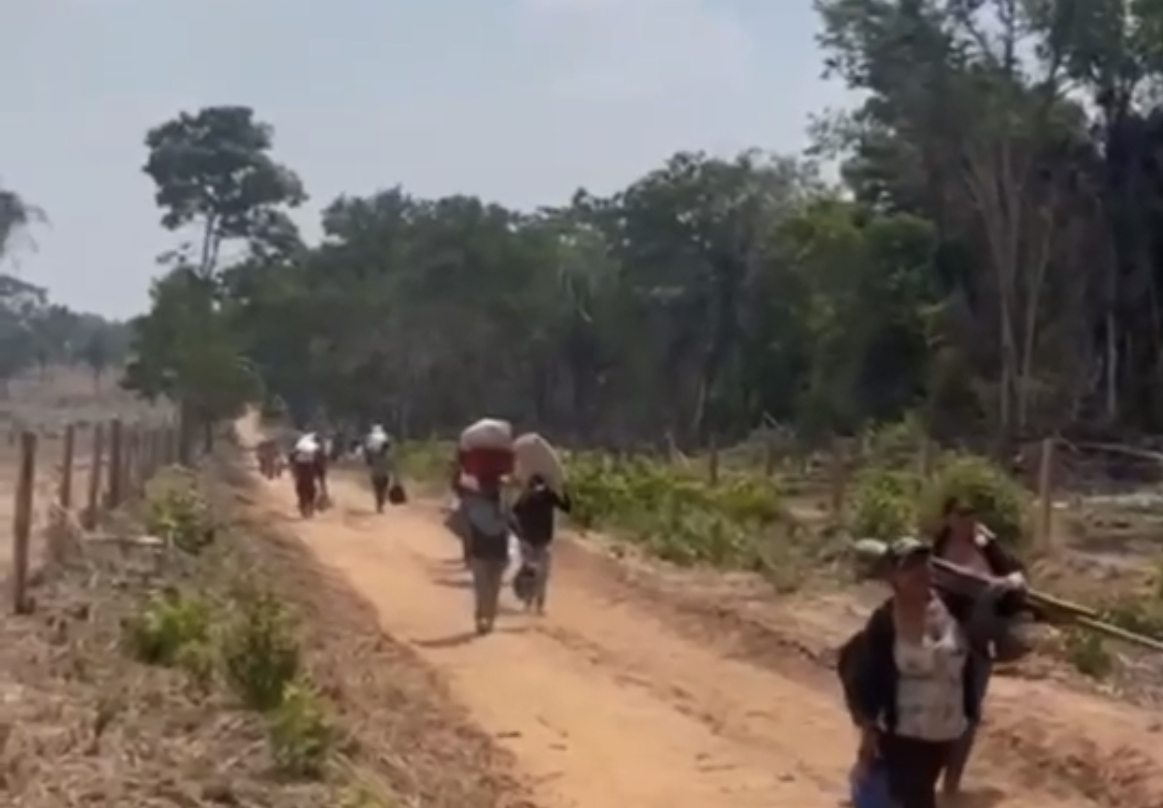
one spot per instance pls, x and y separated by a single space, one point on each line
601 703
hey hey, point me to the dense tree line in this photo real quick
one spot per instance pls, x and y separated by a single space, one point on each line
35 332
990 263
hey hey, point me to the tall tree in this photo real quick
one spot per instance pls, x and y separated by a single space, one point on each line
15 215
214 172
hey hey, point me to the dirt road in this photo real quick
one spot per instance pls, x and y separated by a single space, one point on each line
601 702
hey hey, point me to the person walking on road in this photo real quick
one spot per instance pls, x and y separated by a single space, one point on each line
534 517
487 550
377 453
911 675
964 542
308 464
484 459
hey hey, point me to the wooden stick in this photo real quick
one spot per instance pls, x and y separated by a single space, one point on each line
66 489
1054 610
1117 633
1060 605
22 522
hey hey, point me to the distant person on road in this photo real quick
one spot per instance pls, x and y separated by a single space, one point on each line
308 470
269 458
966 543
534 517
377 453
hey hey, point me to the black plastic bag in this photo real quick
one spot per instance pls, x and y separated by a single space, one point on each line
397 495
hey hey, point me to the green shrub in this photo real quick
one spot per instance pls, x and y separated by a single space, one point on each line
894 444
199 662
676 514
883 504
998 499
168 624
260 655
426 461
300 736
176 511
1087 653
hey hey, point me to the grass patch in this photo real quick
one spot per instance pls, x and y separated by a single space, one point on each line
260 656
427 462
166 626
174 510
245 642
1087 653
738 523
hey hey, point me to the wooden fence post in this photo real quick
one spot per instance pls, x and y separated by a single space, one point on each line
22 522
159 449
66 490
770 456
177 441
148 452
96 461
132 460
1045 527
143 470
116 462
925 458
839 479
713 462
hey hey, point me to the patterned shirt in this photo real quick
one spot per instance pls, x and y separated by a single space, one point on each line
930 694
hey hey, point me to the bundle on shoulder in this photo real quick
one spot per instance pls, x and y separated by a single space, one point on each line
536 457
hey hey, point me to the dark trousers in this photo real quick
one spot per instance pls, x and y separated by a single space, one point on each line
305 486
913 767
380 490
959 754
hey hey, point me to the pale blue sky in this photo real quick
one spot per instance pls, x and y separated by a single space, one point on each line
520 101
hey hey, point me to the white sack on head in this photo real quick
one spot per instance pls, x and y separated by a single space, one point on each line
487 433
376 440
535 455
307 447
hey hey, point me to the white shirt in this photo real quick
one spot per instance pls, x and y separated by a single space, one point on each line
930 692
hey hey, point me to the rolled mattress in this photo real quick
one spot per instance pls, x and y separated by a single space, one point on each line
489 434
536 455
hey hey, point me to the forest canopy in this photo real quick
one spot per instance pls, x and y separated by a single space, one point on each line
989 264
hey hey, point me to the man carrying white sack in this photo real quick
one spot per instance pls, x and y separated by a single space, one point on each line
308 463
377 452
484 458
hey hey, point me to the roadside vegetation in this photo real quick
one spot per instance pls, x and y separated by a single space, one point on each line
224 630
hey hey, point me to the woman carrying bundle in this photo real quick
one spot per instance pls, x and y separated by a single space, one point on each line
484 458
533 514
911 677
966 544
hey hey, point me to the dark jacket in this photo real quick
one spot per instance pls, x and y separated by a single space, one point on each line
1001 561
533 513
868 672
